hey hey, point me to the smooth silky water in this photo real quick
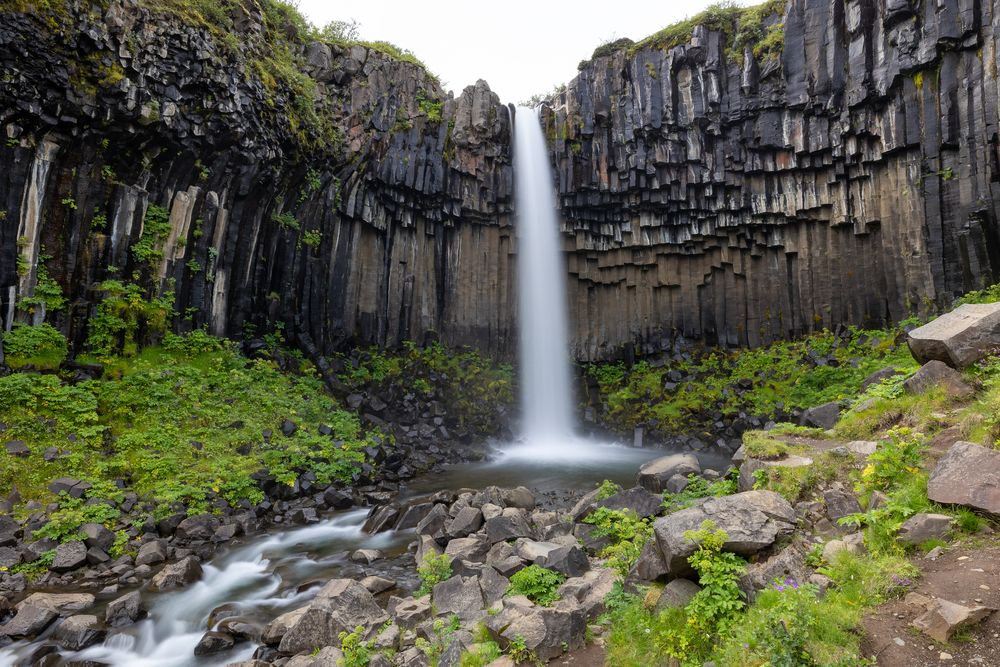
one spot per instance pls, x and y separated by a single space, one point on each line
277 572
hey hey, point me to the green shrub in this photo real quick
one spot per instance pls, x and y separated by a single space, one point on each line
64 524
538 584
627 532
126 318
155 229
697 488
606 489
435 569
40 346
357 652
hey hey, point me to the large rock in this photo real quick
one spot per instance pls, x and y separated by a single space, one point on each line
588 591
69 556
654 474
64 604
78 632
959 338
340 606
943 619
276 629
458 595
925 526
124 610
637 499
176 575
822 416
677 593
199 527
546 632
151 553
28 622
511 524
969 475
752 520
938 374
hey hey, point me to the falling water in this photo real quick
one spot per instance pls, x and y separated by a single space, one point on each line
545 376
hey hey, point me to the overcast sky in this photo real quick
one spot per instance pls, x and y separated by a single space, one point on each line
520 47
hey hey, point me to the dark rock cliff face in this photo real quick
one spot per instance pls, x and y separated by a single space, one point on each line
855 181
852 181
119 109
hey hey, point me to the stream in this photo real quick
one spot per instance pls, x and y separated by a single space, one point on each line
269 574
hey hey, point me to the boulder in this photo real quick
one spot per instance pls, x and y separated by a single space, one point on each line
822 416
78 632
412 515
276 629
64 604
96 535
176 575
340 606
18 448
677 593
151 553
214 642
752 520
969 475
458 595
749 466
588 591
473 549
943 619
124 610
925 526
411 612
654 474
376 585
789 563
433 524
840 503
938 374
519 497
511 524
467 521
546 632
69 556
28 622
493 585
200 527
366 556
637 499
959 338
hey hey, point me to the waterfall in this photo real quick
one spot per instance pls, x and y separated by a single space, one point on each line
547 399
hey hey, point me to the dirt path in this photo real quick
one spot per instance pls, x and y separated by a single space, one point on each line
968 574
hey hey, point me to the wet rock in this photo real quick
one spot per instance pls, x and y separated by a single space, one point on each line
925 526
124 610
654 474
176 575
938 374
366 556
959 338
200 527
214 642
752 520
969 475
376 585
340 606
276 629
69 556
412 515
78 632
381 519
943 619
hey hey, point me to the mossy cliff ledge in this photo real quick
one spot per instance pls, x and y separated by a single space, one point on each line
840 167
252 171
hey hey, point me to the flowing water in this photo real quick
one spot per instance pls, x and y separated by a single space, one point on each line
547 397
270 574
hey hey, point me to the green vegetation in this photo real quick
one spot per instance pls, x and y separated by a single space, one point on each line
437 639
155 229
181 425
286 221
125 319
48 293
606 489
796 483
435 569
538 584
697 488
357 652
627 532
470 384
312 238
741 27
755 381
42 346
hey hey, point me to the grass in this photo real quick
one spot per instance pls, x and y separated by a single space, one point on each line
761 381
177 425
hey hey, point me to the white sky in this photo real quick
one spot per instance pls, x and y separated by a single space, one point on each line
520 47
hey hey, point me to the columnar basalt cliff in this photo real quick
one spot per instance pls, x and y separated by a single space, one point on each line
853 180
384 219
340 191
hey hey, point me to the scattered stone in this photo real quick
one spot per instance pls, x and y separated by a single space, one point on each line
124 610
151 553
958 338
676 593
968 474
943 619
840 503
366 556
655 474
214 642
376 585
18 448
922 527
458 595
96 535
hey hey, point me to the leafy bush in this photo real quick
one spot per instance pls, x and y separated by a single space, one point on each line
697 488
537 583
606 489
627 532
357 652
155 229
41 346
64 524
435 569
126 318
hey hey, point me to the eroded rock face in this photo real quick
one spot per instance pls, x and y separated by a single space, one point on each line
340 606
